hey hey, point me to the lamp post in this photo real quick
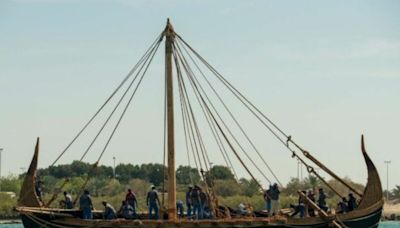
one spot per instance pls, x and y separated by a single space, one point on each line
387 180
1 150
114 168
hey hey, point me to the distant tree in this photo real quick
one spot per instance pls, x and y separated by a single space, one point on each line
49 182
249 187
187 175
74 184
154 173
226 188
11 184
112 188
396 192
104 171
125 172
293 186
139 187
219 172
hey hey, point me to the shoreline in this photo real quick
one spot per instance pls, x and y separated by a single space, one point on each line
10 221
391 212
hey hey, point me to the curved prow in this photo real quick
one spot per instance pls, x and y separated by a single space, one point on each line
27 195
373 190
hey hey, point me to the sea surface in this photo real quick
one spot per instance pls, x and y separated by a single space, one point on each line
381 225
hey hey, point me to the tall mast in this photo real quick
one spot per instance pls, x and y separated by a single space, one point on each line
170 36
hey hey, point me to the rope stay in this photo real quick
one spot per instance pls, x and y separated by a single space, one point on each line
192 119
117 105
230 114
196 82
226 138
147 63
196 126
215 134
192 133
159 39
196 87
284 138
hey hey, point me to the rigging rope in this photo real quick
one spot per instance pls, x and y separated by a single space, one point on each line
117 105
121 117
230 113
198 94
190 115
108 99
129 102
228 142
249 105
186 139
216 136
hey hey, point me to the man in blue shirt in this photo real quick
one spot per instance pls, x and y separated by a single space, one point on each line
86 205
153 202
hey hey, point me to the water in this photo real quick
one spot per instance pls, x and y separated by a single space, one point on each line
381 225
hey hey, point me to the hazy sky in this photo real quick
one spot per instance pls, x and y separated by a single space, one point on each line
325 71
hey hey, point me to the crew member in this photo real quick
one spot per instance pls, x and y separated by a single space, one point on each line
109 211
86 205
153 202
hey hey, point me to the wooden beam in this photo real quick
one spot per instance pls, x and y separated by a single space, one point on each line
170 36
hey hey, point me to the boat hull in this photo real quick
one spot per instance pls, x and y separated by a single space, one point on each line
367 214
48 219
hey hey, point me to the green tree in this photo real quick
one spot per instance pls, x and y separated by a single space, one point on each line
249 187
11 184
125 172
219 172
187 175
396 192
153 173
226 188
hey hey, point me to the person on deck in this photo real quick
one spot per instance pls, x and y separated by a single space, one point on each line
153 202
68 201
342 206
322 200
242 209
300 207
274 199
131 199
39 189
189 201
126 211
179 208
196 202
267 199
205 204
311 197
86 205
109 211
352 203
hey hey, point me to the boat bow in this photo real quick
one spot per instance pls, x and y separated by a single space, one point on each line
27 196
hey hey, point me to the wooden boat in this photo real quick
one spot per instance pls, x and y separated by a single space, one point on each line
35 213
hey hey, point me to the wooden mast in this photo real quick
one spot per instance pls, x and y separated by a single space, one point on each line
170 36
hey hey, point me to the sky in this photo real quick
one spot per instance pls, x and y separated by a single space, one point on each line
325 72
